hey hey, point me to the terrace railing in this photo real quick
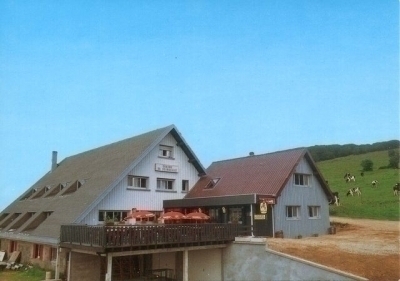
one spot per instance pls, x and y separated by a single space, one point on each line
112 238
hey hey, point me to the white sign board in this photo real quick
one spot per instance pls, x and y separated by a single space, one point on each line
167 168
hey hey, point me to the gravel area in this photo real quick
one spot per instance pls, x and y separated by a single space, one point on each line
368 248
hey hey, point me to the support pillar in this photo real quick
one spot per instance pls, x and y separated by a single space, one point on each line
57 271
273 221
252 220
109 267
185 265
69 265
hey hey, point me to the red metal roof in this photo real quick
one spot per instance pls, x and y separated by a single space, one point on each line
265 174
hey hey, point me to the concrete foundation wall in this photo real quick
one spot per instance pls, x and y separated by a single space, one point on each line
246 261
164 260
84 267
206 265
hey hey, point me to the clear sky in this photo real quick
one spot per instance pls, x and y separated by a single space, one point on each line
233 76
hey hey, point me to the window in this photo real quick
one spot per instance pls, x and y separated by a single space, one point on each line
112 215
293 212
313 212
56 189
53 254
302 179
73 187
165 184
212 183
185 185
166 151
13 246
137 182
37 251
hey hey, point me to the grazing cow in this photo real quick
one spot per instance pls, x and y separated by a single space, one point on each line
346 175
362 174
354 190
374 183
335 199
350 178
396 189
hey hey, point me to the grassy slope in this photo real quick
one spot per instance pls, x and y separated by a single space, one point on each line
374 203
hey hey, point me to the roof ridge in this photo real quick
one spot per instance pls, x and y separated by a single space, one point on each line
121 141
260 155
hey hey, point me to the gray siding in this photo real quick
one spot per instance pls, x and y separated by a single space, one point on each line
302 196
123 198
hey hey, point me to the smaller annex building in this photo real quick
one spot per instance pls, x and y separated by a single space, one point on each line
276 194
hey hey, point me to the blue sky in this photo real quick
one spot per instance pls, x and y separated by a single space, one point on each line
233 76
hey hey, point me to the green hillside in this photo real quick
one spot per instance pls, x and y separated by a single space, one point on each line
374 203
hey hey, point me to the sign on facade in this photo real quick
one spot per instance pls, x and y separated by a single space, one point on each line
259 217
167 168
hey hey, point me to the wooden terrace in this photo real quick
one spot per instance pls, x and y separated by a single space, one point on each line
118 238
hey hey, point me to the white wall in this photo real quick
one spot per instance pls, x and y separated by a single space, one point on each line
123 198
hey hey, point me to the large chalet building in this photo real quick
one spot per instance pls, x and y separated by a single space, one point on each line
60 223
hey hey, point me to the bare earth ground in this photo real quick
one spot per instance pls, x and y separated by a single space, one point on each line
367 248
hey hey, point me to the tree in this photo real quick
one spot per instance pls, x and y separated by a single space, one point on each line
393 159
367 165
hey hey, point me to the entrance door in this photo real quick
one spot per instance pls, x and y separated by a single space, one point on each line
263 223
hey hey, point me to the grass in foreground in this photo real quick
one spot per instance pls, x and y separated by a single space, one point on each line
375 202
32 274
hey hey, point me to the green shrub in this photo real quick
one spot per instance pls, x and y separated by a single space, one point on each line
367 165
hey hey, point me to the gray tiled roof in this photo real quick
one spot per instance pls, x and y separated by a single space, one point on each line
100 168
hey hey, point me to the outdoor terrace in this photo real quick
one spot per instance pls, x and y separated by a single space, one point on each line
102 239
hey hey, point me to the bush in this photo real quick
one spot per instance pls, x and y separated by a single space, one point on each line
367 165
393 159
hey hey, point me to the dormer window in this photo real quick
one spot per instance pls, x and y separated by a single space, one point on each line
166 151
56 189
212 183
73 187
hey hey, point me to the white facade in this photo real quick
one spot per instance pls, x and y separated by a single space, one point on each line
124 197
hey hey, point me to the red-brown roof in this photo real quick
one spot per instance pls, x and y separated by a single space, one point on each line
265 174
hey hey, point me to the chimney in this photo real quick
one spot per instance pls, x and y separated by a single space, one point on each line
54 161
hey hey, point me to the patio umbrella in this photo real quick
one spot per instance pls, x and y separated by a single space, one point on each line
141 215
172 216
197 216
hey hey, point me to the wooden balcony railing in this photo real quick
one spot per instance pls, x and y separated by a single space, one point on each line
106 238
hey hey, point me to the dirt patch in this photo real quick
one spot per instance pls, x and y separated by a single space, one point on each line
367 248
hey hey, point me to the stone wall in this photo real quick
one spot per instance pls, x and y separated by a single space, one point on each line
46 261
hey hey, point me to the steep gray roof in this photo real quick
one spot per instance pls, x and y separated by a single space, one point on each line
99 170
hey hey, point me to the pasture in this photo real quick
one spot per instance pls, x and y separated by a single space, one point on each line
375 202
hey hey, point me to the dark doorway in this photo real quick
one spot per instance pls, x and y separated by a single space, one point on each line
263 223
